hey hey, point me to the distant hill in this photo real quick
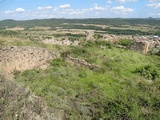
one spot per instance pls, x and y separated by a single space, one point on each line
54 22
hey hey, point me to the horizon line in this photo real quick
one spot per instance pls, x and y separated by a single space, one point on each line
76 18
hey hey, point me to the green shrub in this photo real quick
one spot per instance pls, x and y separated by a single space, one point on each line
16 72
98 43
1 43
2 101
148 72
79 51
57 62
125 42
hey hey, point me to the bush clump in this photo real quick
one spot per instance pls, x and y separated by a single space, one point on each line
125 42
148 72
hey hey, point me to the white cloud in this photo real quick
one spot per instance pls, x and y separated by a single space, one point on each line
124 1
8 12
20 10
66 11
153 1
96 7
109 1
65 6
70 12
154 14
121 10
43 8
49 7
154 5
40 8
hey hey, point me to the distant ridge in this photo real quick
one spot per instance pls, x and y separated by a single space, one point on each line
54 22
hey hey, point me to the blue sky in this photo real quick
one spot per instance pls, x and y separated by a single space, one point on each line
39 9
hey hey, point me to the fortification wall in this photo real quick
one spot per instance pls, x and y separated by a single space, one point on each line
140 46
23 58
89 34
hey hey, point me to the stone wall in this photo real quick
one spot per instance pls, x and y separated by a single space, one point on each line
56 42
23 58
116 38
80 62
89 34
140 46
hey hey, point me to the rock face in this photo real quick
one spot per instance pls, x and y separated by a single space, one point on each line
18 103
89 34
23 58
140 46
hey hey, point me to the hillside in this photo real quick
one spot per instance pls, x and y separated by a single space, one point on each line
19 103
113 89
97 79
102 21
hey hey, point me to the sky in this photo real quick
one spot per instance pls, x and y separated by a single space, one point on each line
44 9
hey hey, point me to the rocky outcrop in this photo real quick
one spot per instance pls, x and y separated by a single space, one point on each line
23 58
18 103
140 46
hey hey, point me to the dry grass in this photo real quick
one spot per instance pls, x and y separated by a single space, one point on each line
15 28
40 28
141 28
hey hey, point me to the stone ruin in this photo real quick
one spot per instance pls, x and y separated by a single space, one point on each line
140 46
80 62
23 58
116 38
141 43
145 44
89 34
58 42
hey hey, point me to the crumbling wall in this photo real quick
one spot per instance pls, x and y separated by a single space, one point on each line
116 38
56 42
23 58
81 62
89 34
140 46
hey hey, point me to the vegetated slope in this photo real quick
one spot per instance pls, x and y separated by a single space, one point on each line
18 103
122 85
